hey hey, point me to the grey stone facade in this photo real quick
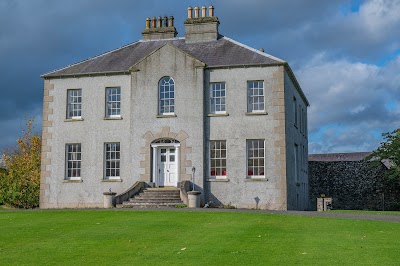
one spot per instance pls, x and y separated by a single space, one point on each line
193 64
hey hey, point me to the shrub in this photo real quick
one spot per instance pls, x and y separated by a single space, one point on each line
20 183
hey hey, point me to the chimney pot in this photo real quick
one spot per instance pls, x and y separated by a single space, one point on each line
147 23
171 21
210 11
159 24
165 21
153 22
203 11
190 12
196 12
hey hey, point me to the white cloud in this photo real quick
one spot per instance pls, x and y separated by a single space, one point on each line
348 102
379 17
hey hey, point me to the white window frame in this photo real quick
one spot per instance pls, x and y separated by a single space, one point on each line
74 157
166 93
218 155
74 103
113 102
253 158
253 93
218 97
112 155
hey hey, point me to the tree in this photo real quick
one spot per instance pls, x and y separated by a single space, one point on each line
389 150
20 183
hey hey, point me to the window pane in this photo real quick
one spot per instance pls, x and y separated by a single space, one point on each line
255 158
74 100
113 104
217 99
73 161
166 95
255 95
218 158
112 160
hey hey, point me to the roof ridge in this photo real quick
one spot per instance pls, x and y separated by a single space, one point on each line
254 50
90 58
169 39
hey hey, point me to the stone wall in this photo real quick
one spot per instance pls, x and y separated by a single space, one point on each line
353 185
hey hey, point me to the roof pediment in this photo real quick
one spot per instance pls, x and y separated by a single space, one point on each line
198 63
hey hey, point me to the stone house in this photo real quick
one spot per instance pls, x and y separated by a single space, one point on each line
164 110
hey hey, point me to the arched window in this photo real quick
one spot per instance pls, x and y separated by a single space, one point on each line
166 96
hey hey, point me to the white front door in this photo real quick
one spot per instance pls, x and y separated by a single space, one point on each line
167 166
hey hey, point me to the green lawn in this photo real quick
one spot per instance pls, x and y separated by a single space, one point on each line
192 238
367 212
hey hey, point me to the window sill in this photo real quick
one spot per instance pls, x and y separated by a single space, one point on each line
217 180
73 119
166 116
256 113
113 118
216 115
256 179
111 180
72 181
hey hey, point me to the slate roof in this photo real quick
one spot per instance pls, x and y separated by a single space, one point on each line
338 157
221 53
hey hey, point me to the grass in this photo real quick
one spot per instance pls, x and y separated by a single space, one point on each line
367 212
192 238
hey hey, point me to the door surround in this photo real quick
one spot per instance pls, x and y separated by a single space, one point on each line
156 147
146 153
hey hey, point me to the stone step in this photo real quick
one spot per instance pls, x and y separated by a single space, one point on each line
147 195
166 192
156 197
154 200
127 204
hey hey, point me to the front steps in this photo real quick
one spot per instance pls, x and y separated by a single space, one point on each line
154 198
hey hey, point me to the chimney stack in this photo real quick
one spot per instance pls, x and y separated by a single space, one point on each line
203 11
201 29
190 12
160 28
210 11
196 12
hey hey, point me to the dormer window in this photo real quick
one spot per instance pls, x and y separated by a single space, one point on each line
166 96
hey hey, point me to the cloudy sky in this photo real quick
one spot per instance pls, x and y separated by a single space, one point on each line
345 54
